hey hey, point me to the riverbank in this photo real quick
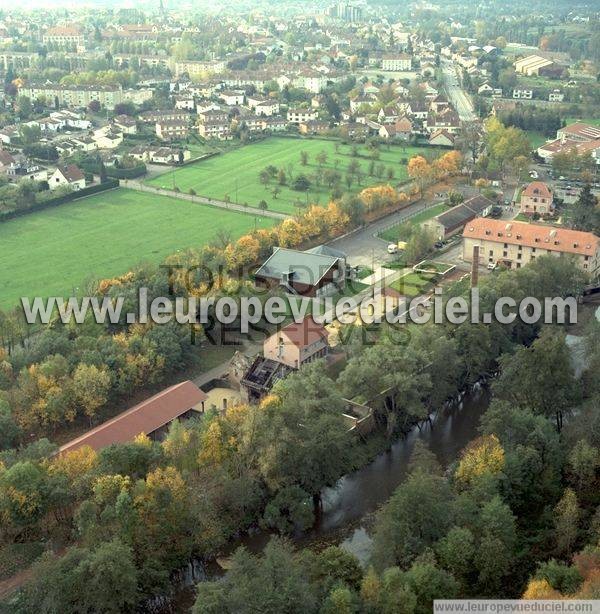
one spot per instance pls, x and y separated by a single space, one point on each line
349 507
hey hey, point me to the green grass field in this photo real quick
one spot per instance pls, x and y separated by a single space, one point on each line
52 252
537 138
235 174
594 121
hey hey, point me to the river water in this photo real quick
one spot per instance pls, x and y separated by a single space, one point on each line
348 507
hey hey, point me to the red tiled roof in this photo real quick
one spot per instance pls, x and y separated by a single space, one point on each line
537 188
146 417
71 173
533 235
304 333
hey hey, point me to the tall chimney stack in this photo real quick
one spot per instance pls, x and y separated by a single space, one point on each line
475 267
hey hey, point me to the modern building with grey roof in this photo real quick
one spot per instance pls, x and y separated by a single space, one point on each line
303 273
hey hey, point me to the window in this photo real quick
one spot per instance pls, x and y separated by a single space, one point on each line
505 254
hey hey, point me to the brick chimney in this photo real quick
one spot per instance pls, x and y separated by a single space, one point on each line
475 267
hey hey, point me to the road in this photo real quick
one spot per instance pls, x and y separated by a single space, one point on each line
458 97
202 200
363 246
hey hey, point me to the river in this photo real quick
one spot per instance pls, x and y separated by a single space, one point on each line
349 505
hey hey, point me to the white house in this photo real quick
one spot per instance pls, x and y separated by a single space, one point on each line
523 94
232 97
67 175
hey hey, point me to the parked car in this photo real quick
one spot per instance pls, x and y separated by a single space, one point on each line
533 174
492 265
438 245
392 248
496 212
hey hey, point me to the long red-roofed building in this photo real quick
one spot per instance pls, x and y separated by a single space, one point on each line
151 417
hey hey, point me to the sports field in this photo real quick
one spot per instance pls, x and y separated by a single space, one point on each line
51 252
235 174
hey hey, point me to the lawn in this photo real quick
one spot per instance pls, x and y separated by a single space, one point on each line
52 252
414 284
235 174
393 233
537 138
594 121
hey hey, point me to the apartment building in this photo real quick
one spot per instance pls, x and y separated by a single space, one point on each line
65 36
398 62
172 129
75 96
515 244
301 116
215 130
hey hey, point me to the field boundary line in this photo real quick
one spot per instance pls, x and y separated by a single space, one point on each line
203 200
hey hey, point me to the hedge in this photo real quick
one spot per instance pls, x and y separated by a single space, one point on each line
126 173
109 184
92 166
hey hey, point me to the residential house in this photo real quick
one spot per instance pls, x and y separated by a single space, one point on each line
297 343
232 97
537 198
442 138
107 138
313 127
126 124
556 96
275 124
267 108
285 351
447 120
22 168
8 134
185 102
83 143
523 94
359 101
70 175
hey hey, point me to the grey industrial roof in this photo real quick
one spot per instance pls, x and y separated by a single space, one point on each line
305 267
464 212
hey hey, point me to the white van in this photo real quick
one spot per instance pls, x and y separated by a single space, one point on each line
392 248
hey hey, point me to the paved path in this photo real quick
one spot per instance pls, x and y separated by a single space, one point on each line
364 247
202 200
